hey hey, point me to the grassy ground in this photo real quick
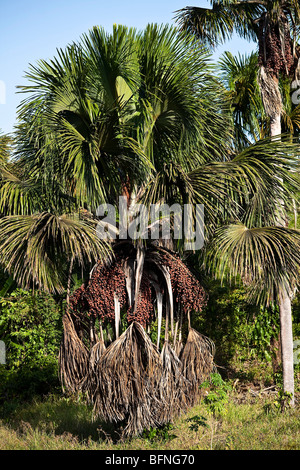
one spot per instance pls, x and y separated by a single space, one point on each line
248 421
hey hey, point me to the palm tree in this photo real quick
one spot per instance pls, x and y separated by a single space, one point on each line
274 26
238 74
138 115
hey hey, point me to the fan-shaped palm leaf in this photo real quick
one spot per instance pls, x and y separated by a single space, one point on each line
266 258
33 247
217 24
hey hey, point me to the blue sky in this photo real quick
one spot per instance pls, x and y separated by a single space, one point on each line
33 29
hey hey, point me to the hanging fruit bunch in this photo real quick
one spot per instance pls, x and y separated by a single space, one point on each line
144 311
78 304
186 288
106 282
275 48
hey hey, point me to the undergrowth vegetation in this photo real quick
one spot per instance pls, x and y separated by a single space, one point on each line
241 406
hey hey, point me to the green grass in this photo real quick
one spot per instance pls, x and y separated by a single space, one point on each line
56 423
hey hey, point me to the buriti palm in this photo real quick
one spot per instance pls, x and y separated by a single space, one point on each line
138 115
274 26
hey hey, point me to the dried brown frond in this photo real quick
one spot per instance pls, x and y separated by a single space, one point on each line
127 378
73 358
173 385
197 361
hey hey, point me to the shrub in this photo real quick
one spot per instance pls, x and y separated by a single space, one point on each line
30 326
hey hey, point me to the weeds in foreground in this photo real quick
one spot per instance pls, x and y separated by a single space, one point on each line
58 423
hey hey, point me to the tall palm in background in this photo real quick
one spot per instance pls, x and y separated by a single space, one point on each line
239 75
138 115
274 26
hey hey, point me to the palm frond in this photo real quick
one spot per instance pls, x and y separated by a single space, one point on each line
6 145
126 378
73 358
217 24
265 258
33 247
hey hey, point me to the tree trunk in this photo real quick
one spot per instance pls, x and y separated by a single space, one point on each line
275 125
285 305
285 308
271 97
286 334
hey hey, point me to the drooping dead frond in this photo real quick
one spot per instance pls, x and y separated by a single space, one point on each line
128 374
73 358
197 361
173 385
96 352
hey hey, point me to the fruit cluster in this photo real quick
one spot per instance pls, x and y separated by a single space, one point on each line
97 297
144 310
78 302
275 49
106 281
186 288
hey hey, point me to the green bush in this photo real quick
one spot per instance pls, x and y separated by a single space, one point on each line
238 328
216 395
31 328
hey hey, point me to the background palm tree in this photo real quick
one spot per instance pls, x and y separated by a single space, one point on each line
139 115
238 74
274 26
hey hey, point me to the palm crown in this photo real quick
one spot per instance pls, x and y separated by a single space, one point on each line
272 24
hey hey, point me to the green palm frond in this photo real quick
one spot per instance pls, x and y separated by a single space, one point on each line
6 143
246 186
120 105
269 170
267 259
17 196
291 120
217 24
34 247
238 74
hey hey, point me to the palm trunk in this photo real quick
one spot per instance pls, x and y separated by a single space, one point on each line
273 106
286 334
285 304
275 125
69 283
285 309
